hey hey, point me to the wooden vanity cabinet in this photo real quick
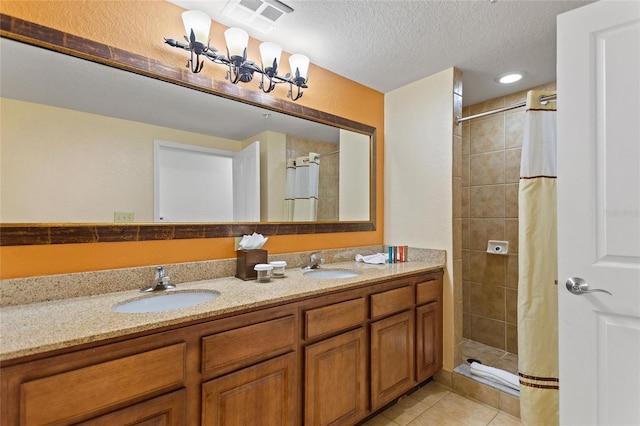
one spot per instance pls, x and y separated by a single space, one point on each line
122 377
428 326
256 370
335 368
329 359
392 345
158 378
364 348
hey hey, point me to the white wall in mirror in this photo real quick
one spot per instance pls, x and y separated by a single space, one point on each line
59 165
355 168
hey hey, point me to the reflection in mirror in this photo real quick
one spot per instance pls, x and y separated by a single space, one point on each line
198 184
78 146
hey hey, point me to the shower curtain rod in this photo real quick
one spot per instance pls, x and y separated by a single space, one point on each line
514 106
319 156
327 153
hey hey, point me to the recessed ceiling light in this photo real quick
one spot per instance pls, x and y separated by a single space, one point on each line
510 77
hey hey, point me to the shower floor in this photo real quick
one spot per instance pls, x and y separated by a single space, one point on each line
491 357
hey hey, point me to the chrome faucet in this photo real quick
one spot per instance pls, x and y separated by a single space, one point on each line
314 261
161 281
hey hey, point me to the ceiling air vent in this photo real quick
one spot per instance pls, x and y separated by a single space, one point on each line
258 14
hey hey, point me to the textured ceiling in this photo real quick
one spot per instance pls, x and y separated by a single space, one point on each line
387 44
381 44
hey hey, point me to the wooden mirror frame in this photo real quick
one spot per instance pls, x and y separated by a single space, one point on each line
65 233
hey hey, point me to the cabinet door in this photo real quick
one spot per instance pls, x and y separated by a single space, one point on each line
263 394
392 358
166 410
428 340
335 380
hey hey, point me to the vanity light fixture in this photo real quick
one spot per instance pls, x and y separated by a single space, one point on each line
241 69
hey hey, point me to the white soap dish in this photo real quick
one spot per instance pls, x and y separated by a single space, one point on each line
498 247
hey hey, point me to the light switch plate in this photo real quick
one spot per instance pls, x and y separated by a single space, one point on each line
123 217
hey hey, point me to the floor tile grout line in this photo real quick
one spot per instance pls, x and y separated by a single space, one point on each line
493 418
428 407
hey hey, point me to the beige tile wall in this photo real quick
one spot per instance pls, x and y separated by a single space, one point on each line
328 189
491 149
457 218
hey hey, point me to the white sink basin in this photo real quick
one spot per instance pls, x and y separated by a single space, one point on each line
165 301
329 274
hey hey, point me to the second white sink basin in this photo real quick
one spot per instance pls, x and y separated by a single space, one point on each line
328 274
165 301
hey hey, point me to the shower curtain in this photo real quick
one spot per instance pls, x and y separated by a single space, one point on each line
537 265
301 195
290 190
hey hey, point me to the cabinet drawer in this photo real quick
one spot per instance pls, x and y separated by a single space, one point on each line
240 347
391 301
166 410
429 291
333 318
78 393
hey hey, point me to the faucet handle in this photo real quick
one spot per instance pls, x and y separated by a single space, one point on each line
314 261
161 281
160 273
166 282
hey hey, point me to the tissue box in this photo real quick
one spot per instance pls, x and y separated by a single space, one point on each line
246 260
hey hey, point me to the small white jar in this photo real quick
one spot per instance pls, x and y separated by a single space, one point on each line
278 268
263 271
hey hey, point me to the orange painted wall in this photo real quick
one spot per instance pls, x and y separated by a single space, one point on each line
140 26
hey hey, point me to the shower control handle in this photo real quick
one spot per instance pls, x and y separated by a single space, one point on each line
577 285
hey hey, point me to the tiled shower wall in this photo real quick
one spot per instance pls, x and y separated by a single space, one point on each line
491 148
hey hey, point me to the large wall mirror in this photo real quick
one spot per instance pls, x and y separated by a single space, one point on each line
95 145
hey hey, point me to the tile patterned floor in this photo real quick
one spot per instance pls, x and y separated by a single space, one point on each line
435 404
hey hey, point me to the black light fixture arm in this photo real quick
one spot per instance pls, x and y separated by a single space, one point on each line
299 82
272 76
239 68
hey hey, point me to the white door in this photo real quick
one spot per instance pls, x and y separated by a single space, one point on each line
599 213
192 183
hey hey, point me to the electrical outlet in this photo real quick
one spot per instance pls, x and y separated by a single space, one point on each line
123 217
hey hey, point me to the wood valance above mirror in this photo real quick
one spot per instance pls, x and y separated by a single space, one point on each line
66 233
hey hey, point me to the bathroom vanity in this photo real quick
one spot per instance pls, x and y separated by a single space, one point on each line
330 352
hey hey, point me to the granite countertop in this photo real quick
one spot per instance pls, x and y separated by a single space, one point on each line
45 326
